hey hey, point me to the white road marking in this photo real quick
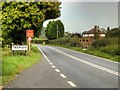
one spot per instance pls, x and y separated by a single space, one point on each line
53 66
57 70
44 55
50 63
89 63
72 84
62 75
89 55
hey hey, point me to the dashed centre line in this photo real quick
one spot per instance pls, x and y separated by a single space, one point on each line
71 83
50 63
89 63
62 75
53 66
57 70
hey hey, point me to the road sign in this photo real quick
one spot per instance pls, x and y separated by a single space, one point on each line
29 33
29 39
19 47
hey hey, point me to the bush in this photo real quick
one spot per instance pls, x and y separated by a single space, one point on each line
75 41
61 41
100 43
40 41
111 49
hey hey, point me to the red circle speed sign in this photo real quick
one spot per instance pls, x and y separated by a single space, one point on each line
29 39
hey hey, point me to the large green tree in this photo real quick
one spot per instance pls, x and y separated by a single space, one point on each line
17 17
54 30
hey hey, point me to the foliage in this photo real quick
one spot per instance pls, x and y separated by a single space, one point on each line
115 32
76 34
61 41
17 17
13 65
54 30
75 41
40 41
100 43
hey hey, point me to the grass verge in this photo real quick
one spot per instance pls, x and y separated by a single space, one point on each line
92 52
14 64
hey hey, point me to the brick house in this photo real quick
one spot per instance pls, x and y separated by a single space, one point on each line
88 37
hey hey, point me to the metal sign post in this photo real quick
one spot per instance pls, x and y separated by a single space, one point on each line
29 40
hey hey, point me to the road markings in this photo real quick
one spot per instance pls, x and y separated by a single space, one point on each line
53 66
57 70
89 55
89 63
50 63
62 75
44 55
72 84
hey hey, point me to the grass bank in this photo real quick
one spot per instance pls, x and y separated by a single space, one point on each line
92 52
14 64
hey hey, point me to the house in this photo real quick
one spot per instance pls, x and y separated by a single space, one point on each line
88 37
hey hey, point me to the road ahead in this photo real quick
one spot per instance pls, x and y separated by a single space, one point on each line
64 68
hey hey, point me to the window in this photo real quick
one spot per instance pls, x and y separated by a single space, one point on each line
91 35
102 35
85 35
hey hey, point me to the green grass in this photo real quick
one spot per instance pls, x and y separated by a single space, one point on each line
92 52
14 64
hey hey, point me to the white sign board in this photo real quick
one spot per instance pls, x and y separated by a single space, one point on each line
19 47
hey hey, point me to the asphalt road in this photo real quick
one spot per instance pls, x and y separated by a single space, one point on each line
64 68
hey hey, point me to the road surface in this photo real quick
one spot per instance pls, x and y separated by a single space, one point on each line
64 68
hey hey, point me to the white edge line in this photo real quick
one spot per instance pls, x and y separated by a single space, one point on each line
89 63
90 55
44 54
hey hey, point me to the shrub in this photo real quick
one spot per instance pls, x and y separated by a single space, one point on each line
111 49
100 43
75 41
40 41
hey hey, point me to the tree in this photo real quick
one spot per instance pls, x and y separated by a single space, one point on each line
114 32
17 17
54 30
76 34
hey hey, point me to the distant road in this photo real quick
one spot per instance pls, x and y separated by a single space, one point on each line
64 68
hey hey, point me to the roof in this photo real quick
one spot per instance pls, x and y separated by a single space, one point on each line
92 31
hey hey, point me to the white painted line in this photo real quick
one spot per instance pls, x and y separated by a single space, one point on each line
53 66
89 63
90 55
57 70
50 63
44 55
62 75
72 84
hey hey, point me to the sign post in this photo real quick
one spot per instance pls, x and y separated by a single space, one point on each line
29 35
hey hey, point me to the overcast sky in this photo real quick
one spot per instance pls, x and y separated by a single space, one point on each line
82 16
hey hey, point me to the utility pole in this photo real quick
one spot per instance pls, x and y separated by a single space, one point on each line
57 30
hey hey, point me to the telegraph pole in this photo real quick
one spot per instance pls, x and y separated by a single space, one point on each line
57 30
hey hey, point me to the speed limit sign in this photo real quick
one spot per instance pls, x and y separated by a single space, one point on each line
29 39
